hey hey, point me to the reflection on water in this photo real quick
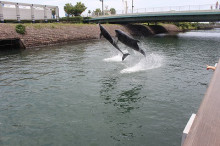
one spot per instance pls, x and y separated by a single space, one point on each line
124 100
108 86
83 94
127 99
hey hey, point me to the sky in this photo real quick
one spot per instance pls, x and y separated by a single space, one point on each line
117 4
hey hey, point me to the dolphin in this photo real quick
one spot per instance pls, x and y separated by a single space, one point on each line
129 41
108 37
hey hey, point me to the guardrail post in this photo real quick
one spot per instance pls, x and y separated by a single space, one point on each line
1 12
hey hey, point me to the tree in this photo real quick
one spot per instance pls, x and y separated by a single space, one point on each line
113 11
79 8
98 11
68 8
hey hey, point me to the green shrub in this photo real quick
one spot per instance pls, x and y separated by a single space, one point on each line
20 29
186 25
77 19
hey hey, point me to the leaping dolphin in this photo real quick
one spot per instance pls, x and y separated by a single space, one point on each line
129 41
108 37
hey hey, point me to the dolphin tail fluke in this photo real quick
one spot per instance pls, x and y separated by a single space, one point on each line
124 56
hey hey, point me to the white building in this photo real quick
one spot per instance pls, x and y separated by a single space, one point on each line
24 11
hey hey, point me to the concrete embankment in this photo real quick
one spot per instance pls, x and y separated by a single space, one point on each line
49 34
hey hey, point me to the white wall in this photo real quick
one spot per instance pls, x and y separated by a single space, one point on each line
39 14
9 13
8 10
25 14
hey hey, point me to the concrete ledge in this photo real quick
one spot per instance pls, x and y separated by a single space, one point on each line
187 128
205 130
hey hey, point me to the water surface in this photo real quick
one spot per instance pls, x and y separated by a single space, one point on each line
83 94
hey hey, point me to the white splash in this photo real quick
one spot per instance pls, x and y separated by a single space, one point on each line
151 61
116 58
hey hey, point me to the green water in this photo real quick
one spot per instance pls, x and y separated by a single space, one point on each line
82 94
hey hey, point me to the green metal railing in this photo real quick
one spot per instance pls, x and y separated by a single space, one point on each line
171 9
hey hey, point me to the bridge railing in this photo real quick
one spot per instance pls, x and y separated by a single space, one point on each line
171 9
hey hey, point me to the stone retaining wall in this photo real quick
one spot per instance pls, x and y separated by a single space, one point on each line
48 34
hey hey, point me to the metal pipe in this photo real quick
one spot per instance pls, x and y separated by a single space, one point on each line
18 13
132 6
1 12
57 13
32 13
45 13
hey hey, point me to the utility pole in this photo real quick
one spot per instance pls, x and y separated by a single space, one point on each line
102 7
132 6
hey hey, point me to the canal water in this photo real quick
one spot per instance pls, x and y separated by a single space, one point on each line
83 94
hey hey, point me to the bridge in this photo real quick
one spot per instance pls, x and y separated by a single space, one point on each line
192 13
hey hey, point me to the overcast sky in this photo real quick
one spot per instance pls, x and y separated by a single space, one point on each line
117 4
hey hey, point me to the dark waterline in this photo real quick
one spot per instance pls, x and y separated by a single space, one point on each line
82 94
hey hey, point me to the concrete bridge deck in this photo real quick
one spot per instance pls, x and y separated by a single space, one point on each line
205 130
171 16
